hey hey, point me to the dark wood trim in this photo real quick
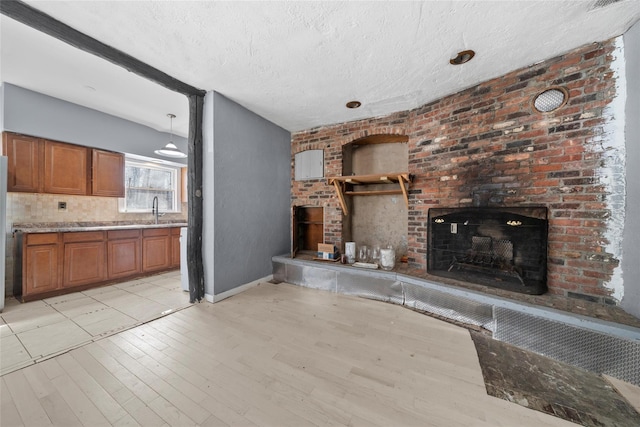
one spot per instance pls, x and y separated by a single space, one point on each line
40 21
195 206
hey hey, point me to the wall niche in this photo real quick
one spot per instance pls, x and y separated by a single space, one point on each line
376 219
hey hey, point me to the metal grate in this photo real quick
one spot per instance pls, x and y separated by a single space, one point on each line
370 286
549 100
451 307
590 350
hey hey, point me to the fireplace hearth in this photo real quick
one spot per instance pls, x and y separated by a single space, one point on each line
499 247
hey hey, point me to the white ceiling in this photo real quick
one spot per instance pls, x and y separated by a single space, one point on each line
296 63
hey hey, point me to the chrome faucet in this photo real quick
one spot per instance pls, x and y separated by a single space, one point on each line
155 208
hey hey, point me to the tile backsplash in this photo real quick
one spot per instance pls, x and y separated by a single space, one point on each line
29 207
43 208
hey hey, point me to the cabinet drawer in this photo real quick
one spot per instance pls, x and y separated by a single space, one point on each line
175 231
122 234
83 236
41 239
153 232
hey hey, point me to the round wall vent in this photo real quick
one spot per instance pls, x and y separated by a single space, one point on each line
550 100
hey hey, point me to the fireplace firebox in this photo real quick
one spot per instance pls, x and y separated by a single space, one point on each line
499 247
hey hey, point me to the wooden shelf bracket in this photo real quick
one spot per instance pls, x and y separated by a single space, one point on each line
340 183
343 203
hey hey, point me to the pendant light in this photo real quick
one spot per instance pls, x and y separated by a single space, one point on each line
170 150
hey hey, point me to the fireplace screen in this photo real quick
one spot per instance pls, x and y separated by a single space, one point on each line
499 247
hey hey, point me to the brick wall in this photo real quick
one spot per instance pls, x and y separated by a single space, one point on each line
489 138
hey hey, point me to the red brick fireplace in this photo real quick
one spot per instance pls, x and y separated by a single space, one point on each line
488 139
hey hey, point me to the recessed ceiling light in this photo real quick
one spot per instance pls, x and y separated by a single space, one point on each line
462 57
353 104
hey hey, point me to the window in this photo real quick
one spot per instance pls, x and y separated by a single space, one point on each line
144 181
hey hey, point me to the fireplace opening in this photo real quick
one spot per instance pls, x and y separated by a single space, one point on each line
499 247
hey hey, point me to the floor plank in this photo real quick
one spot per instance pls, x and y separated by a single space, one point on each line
9 415
25 400
105 403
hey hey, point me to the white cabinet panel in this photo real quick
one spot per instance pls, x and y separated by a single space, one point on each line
309 165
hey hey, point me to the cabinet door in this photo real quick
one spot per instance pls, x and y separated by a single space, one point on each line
156 253
24 162
107 174
65 168
84 263
40 269
175 247
123 258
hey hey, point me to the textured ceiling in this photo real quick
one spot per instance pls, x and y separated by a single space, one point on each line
297 63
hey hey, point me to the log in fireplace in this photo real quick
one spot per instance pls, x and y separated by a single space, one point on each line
499 247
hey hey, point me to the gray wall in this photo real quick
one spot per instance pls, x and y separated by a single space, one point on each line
631 243
32 113
246 194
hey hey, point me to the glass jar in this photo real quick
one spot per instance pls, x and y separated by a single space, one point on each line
387 258
375 254
350 251
363 253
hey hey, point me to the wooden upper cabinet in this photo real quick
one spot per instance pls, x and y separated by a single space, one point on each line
107 173
38 165
65 168
24 156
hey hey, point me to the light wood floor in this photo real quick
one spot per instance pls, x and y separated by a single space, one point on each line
36 330
276 355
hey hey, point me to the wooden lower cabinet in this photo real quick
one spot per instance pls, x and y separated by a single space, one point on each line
57 263
156 247
175 247
41 269
123 253
84 263
85 258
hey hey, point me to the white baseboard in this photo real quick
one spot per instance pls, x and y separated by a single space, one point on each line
235 291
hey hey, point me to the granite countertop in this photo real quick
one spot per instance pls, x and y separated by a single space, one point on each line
54 227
